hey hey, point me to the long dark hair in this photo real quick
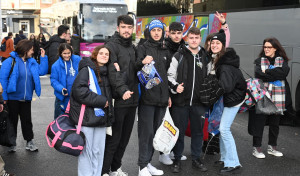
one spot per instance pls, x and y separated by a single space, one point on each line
39 37
208 38
63 47
276 44
94 58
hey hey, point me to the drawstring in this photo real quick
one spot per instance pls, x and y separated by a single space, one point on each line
71 68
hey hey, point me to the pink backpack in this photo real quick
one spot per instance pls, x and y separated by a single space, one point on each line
63 134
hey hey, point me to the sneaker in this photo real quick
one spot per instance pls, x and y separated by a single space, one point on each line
12 149
153 170
257 152
7 174
115 173
144 172
183 157
197 164
165 159
121 173
272 151
105 175
176 167
31 146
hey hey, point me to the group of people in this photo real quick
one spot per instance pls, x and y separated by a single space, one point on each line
111 73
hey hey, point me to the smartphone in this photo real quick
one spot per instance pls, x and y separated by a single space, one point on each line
65 91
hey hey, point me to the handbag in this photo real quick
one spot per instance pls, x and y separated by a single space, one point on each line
166 135
4 127
64 136
266 106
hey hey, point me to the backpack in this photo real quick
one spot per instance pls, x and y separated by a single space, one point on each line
3 46
64 136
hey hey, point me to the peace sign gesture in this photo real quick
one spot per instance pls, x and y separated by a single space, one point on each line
220 16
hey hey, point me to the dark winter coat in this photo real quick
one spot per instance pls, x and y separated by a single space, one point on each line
75 43
19 38
158 95
81 94
190 70
231 78
172 46
52 49
123 52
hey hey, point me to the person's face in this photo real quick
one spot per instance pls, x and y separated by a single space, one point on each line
32 37
66 55
156 33
216 46
125 30
175 36
41 35
30 53
269 50
194 41
103 56
167 32
67 35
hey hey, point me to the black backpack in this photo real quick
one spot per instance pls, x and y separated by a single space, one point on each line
3 46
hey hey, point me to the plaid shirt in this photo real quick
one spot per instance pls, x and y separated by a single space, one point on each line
277 92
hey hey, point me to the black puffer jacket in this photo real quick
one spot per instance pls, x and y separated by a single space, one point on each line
52 50
123 53
158 95
190 70
231 78
172 46
81 94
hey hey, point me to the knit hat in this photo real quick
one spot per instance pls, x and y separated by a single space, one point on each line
156 24
220 36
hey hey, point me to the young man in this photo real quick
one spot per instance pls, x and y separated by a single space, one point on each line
20 37
187 69
63 34
9 46
124 83
173 43
154 101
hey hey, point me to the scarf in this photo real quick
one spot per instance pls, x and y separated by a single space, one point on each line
94 87
277 91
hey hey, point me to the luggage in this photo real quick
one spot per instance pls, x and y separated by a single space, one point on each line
64 136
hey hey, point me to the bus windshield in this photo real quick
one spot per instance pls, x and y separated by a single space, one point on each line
100 21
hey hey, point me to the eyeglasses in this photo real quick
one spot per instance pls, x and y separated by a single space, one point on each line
268 47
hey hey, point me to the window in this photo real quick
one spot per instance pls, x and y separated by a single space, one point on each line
4 25
47 1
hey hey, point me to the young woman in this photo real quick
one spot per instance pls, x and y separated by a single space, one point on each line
92 88
232 81
272 55
41 40
63 74
18 85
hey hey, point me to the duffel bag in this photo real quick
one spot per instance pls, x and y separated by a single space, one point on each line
64 136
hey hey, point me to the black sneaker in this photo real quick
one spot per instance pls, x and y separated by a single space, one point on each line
230 170
176 167
197 164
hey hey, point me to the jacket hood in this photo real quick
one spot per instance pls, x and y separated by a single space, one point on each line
56 38
229 58
86 63
120 40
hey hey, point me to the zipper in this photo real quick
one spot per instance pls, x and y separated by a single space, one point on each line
191 102
25 81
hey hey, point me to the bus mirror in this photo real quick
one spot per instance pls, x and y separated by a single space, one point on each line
79 19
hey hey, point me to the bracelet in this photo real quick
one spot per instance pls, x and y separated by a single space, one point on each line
224 23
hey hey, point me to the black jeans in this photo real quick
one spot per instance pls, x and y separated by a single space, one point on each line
257 123
116 144
181 116
150 118
23 109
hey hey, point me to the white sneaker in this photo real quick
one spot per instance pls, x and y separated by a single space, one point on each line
258 153
272 151
115 173
165 159
183 157
121 173
144 172
105 175
12 149
153 170
31 146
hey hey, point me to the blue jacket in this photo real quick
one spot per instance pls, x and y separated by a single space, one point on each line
58 76
11 91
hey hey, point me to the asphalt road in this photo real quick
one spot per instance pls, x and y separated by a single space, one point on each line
49 162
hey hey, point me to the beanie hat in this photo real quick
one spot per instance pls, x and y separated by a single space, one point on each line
156 24
220 36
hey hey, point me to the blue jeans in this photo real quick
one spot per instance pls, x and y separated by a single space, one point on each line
227 144
57 108
90 161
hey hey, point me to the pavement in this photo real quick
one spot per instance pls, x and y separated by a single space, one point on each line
49 162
